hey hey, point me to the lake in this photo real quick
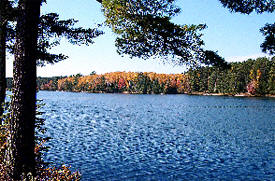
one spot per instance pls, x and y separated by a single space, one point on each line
161 137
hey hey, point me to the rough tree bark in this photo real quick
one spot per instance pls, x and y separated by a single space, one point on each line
20 156
3 33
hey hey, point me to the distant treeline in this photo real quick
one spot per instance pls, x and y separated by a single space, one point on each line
40 81
255 77
118 82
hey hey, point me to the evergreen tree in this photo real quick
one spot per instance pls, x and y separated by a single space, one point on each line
20 157
160 38
50 31
3 26
5 7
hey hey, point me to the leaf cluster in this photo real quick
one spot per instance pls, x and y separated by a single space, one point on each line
6 11
268 46
212 58
50 32
145 30
249 6
52 29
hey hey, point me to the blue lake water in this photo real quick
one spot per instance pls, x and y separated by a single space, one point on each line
161 137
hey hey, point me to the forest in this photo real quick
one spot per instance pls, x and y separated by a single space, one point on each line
254 77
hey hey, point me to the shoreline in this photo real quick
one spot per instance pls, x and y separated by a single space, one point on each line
231 95
192 93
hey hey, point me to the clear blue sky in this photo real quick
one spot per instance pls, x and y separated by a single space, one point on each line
235 36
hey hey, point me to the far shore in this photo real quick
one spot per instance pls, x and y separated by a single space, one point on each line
233 95
192 93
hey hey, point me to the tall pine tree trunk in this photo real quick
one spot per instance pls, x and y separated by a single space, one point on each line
3 33
20 155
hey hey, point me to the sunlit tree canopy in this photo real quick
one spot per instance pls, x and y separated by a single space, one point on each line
145 29
249 6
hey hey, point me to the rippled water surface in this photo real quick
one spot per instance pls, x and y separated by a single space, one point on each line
161 137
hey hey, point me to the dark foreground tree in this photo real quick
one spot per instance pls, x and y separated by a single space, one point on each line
3 33
51 30
20 157
2 55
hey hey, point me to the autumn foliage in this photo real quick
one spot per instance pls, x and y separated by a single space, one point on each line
252 77
131 82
